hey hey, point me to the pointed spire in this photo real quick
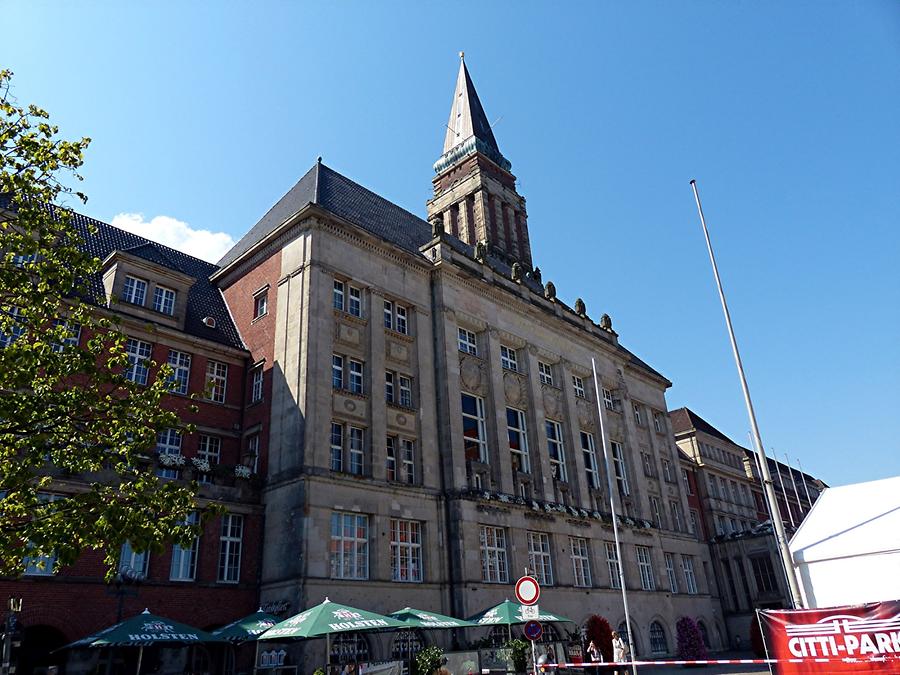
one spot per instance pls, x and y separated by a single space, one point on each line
468 128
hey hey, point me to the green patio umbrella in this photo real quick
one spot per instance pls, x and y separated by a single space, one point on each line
144 630
326 619
509 613
418 618
248 628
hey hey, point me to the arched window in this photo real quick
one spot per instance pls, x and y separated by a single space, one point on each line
407 642
658 644
704 633
349 648
498 636
623 633
550 634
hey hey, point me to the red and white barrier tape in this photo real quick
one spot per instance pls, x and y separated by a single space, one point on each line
711 662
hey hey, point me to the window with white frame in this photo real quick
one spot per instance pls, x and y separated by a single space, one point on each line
647 460
509 358
357 439
406 550
133 563
670 572
184 559
693 523
609 402
337 446
407 461
687 482
518 441
230 544
401 324
713 486
389 314
494 568
578 386
667 471
168 442
134 292
677 519
545 373
645 567
589 454
337 371
354 301
638 414
256 385
338 295
466 341
260 304
690 581
556 450
138 360
581 564
216 380
390 393
355 376
390 457
612 565
349 554
474 436
164 300
347 449
72 334
180 363
40 565
655 512
539 557
210 449
658 422
253 452
621 470
405 384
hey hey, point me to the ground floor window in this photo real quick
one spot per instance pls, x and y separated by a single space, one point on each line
407 643
658 643
349 648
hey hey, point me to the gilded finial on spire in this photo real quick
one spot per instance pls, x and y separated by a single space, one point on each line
462 55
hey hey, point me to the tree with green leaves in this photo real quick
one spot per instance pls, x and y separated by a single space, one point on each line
76 434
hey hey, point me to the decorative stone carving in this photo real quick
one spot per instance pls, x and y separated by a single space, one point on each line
397 351
585 416
536 274
513 388
346 333
552 402
437 225
349 405
481 251
580 309
550 291
606 322
470 373
517 272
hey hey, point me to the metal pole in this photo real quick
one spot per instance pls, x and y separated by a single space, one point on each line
787 503
140 658
805 486
598 393
794 481
757 439
759 470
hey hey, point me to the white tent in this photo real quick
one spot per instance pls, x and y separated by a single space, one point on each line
847 550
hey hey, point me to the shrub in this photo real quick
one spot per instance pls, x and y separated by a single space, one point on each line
429 660
599 630
518 654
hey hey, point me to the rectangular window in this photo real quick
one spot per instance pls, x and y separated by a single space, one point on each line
253 452
518 441
667 471
355 376
230 543
578 386
138 357
389 394
184 560
389 314
621 470
474 437
545 372
402 320
337 295
690 581
180 363
647 461
734 492
764 574
256 385
493 555
581 566
539 557
406 550
658 423
133 563
357 438
713 486
589 454
349 555
675 509
71 339
556 450
164 300
135 291
337 447
670 572
645 566
694 522
391 458
638 414
354 306
210 449
405 391
466 340
261 304
337 371
612 565
168 442
687 482
608 401
655 512
216 380
508 358
408 459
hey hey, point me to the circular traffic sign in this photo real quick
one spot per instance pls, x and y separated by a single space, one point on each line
528 590
533 630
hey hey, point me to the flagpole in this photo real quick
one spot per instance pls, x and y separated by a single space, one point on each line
787 503
612 507
757 439
759 470
794 481
805 486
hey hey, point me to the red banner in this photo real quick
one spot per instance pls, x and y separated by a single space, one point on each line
850 639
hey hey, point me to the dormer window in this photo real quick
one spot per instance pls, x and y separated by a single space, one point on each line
134 292
164 300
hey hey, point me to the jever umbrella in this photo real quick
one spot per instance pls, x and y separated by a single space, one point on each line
326 619
144 630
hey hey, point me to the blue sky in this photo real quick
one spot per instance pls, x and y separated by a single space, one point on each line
204 114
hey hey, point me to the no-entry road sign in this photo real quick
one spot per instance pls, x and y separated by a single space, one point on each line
528 590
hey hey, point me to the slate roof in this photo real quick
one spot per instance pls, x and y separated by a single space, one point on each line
204 298
685 419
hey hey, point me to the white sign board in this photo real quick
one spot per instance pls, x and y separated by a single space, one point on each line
530 612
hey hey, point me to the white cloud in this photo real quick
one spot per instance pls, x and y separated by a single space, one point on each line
203 244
